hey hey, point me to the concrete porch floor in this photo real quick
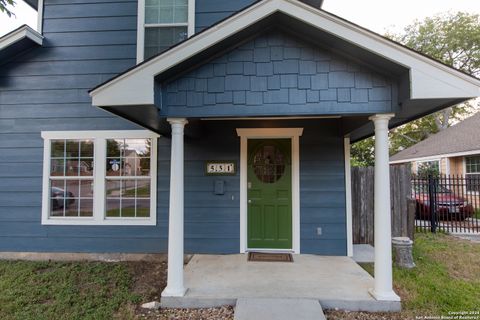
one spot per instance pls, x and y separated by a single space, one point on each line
336 282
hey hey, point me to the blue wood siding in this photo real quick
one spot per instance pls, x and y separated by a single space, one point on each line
88 42
209 12
46 88
278 74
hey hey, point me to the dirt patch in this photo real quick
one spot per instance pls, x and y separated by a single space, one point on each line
149 280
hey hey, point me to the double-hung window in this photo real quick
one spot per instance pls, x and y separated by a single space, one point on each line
99 177
162 24
472 173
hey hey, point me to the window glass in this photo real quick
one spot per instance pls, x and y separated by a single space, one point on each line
166 24
71 178
127 181
427 168
166 11
160 39
473 164
269 164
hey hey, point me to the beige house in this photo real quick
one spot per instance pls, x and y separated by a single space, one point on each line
454 151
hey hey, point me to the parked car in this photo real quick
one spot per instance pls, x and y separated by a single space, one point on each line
58 196
448 206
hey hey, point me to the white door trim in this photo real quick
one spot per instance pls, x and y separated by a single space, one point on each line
266 133
348 196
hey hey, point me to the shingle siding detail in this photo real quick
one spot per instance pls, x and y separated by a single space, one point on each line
276 68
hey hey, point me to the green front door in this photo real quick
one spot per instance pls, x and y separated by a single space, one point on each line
269 194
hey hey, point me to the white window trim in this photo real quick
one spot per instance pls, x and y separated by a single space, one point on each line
141 26
275 133
99 177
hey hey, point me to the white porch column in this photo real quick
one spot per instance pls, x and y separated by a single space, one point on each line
383 289
175 286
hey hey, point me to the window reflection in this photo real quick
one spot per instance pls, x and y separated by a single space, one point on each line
71 178
128 177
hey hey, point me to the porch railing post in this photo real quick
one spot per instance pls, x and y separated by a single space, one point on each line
431 203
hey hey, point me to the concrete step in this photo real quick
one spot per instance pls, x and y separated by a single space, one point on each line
278 309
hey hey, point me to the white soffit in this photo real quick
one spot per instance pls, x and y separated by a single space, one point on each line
428 79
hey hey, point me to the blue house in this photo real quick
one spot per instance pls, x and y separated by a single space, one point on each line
216 127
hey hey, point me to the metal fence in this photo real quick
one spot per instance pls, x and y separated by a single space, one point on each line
449 203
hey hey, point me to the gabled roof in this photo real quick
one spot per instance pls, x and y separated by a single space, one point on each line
460 139
428 78
17 41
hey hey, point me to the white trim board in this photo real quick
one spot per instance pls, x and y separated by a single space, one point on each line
266 133
428 78
348 197
437 156
40 16
19 34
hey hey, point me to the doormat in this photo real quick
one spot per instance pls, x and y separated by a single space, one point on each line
270 257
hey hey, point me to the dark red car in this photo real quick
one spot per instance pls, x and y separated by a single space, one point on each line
448 206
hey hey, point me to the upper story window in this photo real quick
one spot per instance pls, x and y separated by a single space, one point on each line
162 24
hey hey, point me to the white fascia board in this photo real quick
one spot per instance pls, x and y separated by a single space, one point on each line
136 87
19 34
438 156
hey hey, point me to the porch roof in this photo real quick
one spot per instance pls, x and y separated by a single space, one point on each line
19 40
425 85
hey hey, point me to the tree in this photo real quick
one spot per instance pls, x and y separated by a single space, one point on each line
4 9
454 39
363 153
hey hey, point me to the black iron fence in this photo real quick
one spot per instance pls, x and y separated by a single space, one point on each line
449 203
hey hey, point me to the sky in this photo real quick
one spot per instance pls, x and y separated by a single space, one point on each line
376 15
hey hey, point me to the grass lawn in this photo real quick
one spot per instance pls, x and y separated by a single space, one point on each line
83 290
477 214
446 279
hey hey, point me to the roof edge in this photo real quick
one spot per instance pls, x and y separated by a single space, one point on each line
18 34
436 156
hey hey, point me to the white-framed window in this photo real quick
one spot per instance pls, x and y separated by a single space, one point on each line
99 177
428 167
162 24
472 174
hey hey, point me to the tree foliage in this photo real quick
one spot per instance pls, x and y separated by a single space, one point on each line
452 38
4 9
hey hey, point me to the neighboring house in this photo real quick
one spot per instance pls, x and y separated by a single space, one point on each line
454 151
273 90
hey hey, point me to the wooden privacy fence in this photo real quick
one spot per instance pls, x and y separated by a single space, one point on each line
403 207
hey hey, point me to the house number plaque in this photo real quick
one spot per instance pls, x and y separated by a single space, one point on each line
220 168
